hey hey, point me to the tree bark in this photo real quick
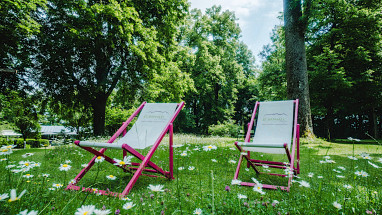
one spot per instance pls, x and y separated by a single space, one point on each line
99 107
295 59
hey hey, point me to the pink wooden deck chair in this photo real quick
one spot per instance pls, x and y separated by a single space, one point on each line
276 132
154 121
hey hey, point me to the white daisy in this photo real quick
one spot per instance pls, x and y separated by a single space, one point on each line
183 154
176 145
128 205
364 174
247 169
84 165
101 212
99 159
240 196
340 176
125 198
64 167
10 166
232 161
310 175
320 176
209 147
342 168
8 147
181 168
327 157
337 205
111 177
198 211
25 212
191 168
73 181
126 161
235 182
347 186
3 196
45 175
57 185
36 164
27 155
352 158
156 188
85 210
214 160
14 197
68 161
304 184
265 166
28 176
258 188
380 160
3 159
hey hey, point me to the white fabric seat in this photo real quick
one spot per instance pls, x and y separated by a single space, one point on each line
151 122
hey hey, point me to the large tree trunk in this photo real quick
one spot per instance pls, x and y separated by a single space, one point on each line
295 59
99 107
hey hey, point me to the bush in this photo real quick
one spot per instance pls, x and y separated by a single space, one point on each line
19 142
226 129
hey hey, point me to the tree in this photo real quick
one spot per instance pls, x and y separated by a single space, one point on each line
295 61
213 38
89 48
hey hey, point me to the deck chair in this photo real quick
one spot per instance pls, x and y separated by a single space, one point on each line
154 121
276 132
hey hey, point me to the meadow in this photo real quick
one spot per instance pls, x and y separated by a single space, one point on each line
336 178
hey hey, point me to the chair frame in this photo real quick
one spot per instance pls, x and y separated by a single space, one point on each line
136 169
253 163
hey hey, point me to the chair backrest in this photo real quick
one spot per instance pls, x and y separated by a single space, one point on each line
274 125
152 120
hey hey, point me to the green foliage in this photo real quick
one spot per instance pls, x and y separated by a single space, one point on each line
229 129
115 117
19 142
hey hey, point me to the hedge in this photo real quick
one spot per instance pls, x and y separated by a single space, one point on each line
19 142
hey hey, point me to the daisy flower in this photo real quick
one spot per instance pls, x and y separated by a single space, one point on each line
10 166
45 175
246 169
240 196
68 161
28 176
340 176
51 188
214 160
85 209
64 167
8 147
327 157
73 181
347 186
258 188
352 158
209 147
321 161
304 184
176 145
198 211
364 174
27 155
156 188
235 182
125 198
128 205
380 160
57 185
358 173
25 212
5 151
320 176
3 196
310 175
184 154
99 159
265 166
36 164
14 197
337 205
191 168
255 180
341 168
3 159
181 168
84 165
126 160
101 212
232 161
111 177
25 164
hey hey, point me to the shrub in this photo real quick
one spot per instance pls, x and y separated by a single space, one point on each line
225 129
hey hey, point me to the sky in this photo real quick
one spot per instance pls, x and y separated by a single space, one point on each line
256 19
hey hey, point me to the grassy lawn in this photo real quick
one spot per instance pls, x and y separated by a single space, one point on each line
201 180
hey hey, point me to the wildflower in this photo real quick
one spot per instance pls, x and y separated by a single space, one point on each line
321 161
255 180
310 175
177 146
10 166
336 171
45 175
196 149
57 185
68 161
352 158
327 157
25 164
3 159
337 205
4 196
101 212
25 212
27 155
364 174
8 147
375 166
181 168
5 152
28 176
340 176
380 160
99 159
247 169
240 196
191 168
64 167
126 160
214 160
16 170
341 168
84 165
14 197
184 154
304 184
73 181
51 188
258 188
128 205
85 209
232 161
156 188
227 188
330 161
197 211
125 198
347 186
209 148
275 202
235 182
353 139
117 211
111 177
265 166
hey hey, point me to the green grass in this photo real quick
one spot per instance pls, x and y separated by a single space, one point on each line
203 187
